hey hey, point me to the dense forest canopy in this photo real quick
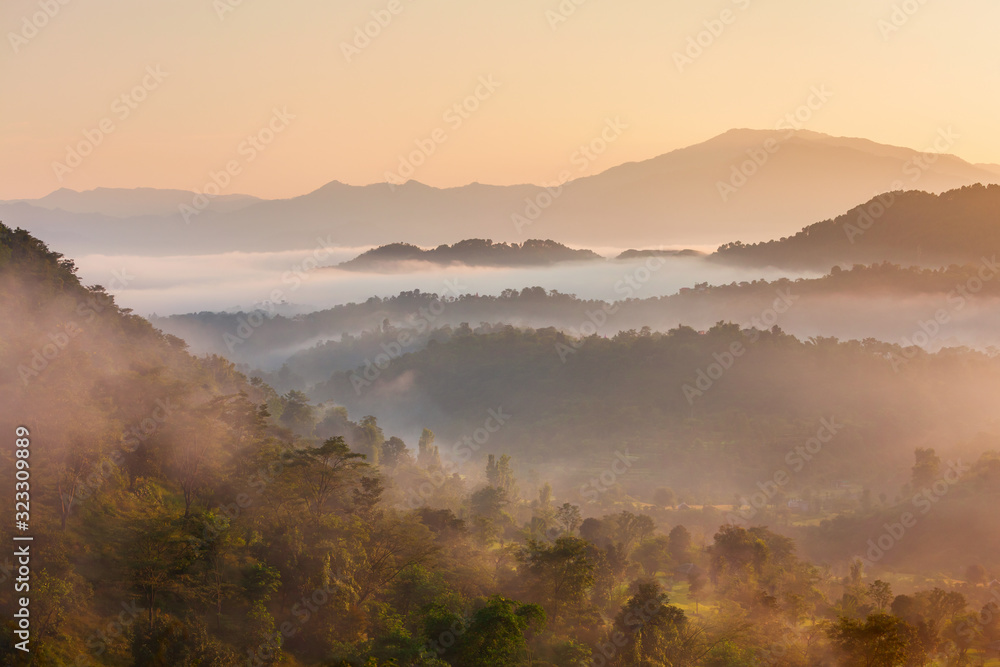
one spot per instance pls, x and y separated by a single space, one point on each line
187 513
881 300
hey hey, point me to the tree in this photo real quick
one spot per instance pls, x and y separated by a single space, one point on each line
655 632
558 575
389 548
367 497
963 631
54 597
596 531
497 633
653 554
368 439
568 517
170 641
543 513
297 414
881 640
427 452
326 470
394 452
737 552
664 497
630 529
696 586
261 640
156 554
487 506
500 475
976 574
926 468
71 468
679 543
192 448
942 605
880 593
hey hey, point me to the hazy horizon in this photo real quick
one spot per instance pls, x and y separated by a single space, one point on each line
461 184
321 344
195 283
193 45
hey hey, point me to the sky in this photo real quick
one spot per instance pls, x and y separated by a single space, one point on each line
534 80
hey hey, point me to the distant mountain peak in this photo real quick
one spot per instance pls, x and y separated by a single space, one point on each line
732 186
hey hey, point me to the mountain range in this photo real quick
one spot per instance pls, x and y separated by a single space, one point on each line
750 185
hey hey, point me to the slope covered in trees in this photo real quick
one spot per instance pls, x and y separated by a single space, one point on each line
184 514
702 410
880 300
914 227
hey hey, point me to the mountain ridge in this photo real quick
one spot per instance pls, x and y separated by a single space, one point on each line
747 184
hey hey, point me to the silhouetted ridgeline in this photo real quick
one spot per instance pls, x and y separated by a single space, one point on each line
691 196
472 252
884 301
910 228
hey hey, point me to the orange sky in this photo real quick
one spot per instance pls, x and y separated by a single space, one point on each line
557 77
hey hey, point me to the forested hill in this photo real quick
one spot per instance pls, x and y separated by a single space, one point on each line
884 301
703 412
911 228
471 252
185 516
132 442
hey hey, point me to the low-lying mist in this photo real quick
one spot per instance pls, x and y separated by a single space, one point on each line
245 281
